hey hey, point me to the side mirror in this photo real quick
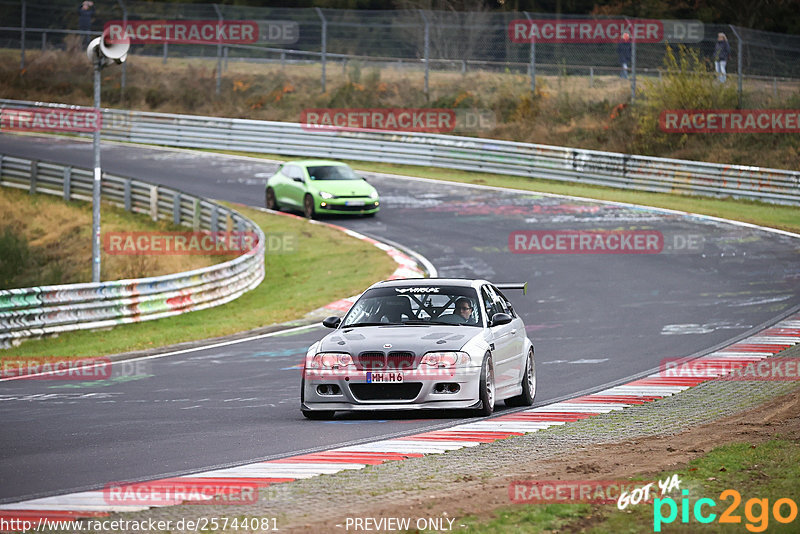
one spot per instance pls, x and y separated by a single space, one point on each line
499 319
332 322
298 179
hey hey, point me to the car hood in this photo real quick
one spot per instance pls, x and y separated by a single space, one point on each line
416 339
344 188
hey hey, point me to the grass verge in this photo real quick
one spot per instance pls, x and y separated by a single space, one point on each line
296 281
46 241
760 474
772 215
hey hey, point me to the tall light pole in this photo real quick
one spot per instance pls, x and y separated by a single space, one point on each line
101 51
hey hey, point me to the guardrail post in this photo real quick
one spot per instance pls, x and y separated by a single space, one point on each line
591 76
126 194
154 202
176 208
67 183
196 210
34 175
214 219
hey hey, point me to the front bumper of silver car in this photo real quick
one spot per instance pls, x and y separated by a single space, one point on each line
357 390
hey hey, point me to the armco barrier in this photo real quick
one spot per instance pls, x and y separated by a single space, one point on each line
38 311
451 152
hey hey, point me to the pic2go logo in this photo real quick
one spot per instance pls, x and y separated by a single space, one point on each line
758 521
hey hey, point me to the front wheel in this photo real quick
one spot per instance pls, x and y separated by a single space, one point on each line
270 202
486 388
308 207
528 384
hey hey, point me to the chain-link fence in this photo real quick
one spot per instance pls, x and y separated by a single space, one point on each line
418 40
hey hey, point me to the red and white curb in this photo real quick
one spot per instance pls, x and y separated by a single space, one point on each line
229 481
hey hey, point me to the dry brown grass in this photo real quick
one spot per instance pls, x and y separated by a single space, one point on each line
565 110
58 235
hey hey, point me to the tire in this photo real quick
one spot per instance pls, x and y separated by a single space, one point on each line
318 415
528 384
308 207
270 202
487 388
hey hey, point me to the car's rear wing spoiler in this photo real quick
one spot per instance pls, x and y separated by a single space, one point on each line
522 285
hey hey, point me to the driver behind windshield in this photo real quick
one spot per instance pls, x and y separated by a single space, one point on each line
464 308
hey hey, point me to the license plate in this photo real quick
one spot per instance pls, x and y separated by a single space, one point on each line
384 378
354 203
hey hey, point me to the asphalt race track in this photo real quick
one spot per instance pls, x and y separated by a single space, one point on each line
594 319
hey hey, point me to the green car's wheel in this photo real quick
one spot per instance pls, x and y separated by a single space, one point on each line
308 207
271 203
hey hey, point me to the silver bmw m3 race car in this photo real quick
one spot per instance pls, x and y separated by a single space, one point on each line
432 343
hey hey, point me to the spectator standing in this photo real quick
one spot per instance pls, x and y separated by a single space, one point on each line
624 53
85 16
722 51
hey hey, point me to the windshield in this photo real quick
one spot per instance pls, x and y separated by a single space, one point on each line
332 172
416 305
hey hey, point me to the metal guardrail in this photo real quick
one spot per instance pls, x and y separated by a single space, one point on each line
451 152
38 311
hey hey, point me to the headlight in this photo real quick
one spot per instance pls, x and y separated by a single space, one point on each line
326 195
331 360
446 359
374 194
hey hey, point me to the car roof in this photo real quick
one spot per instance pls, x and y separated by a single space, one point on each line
431 282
